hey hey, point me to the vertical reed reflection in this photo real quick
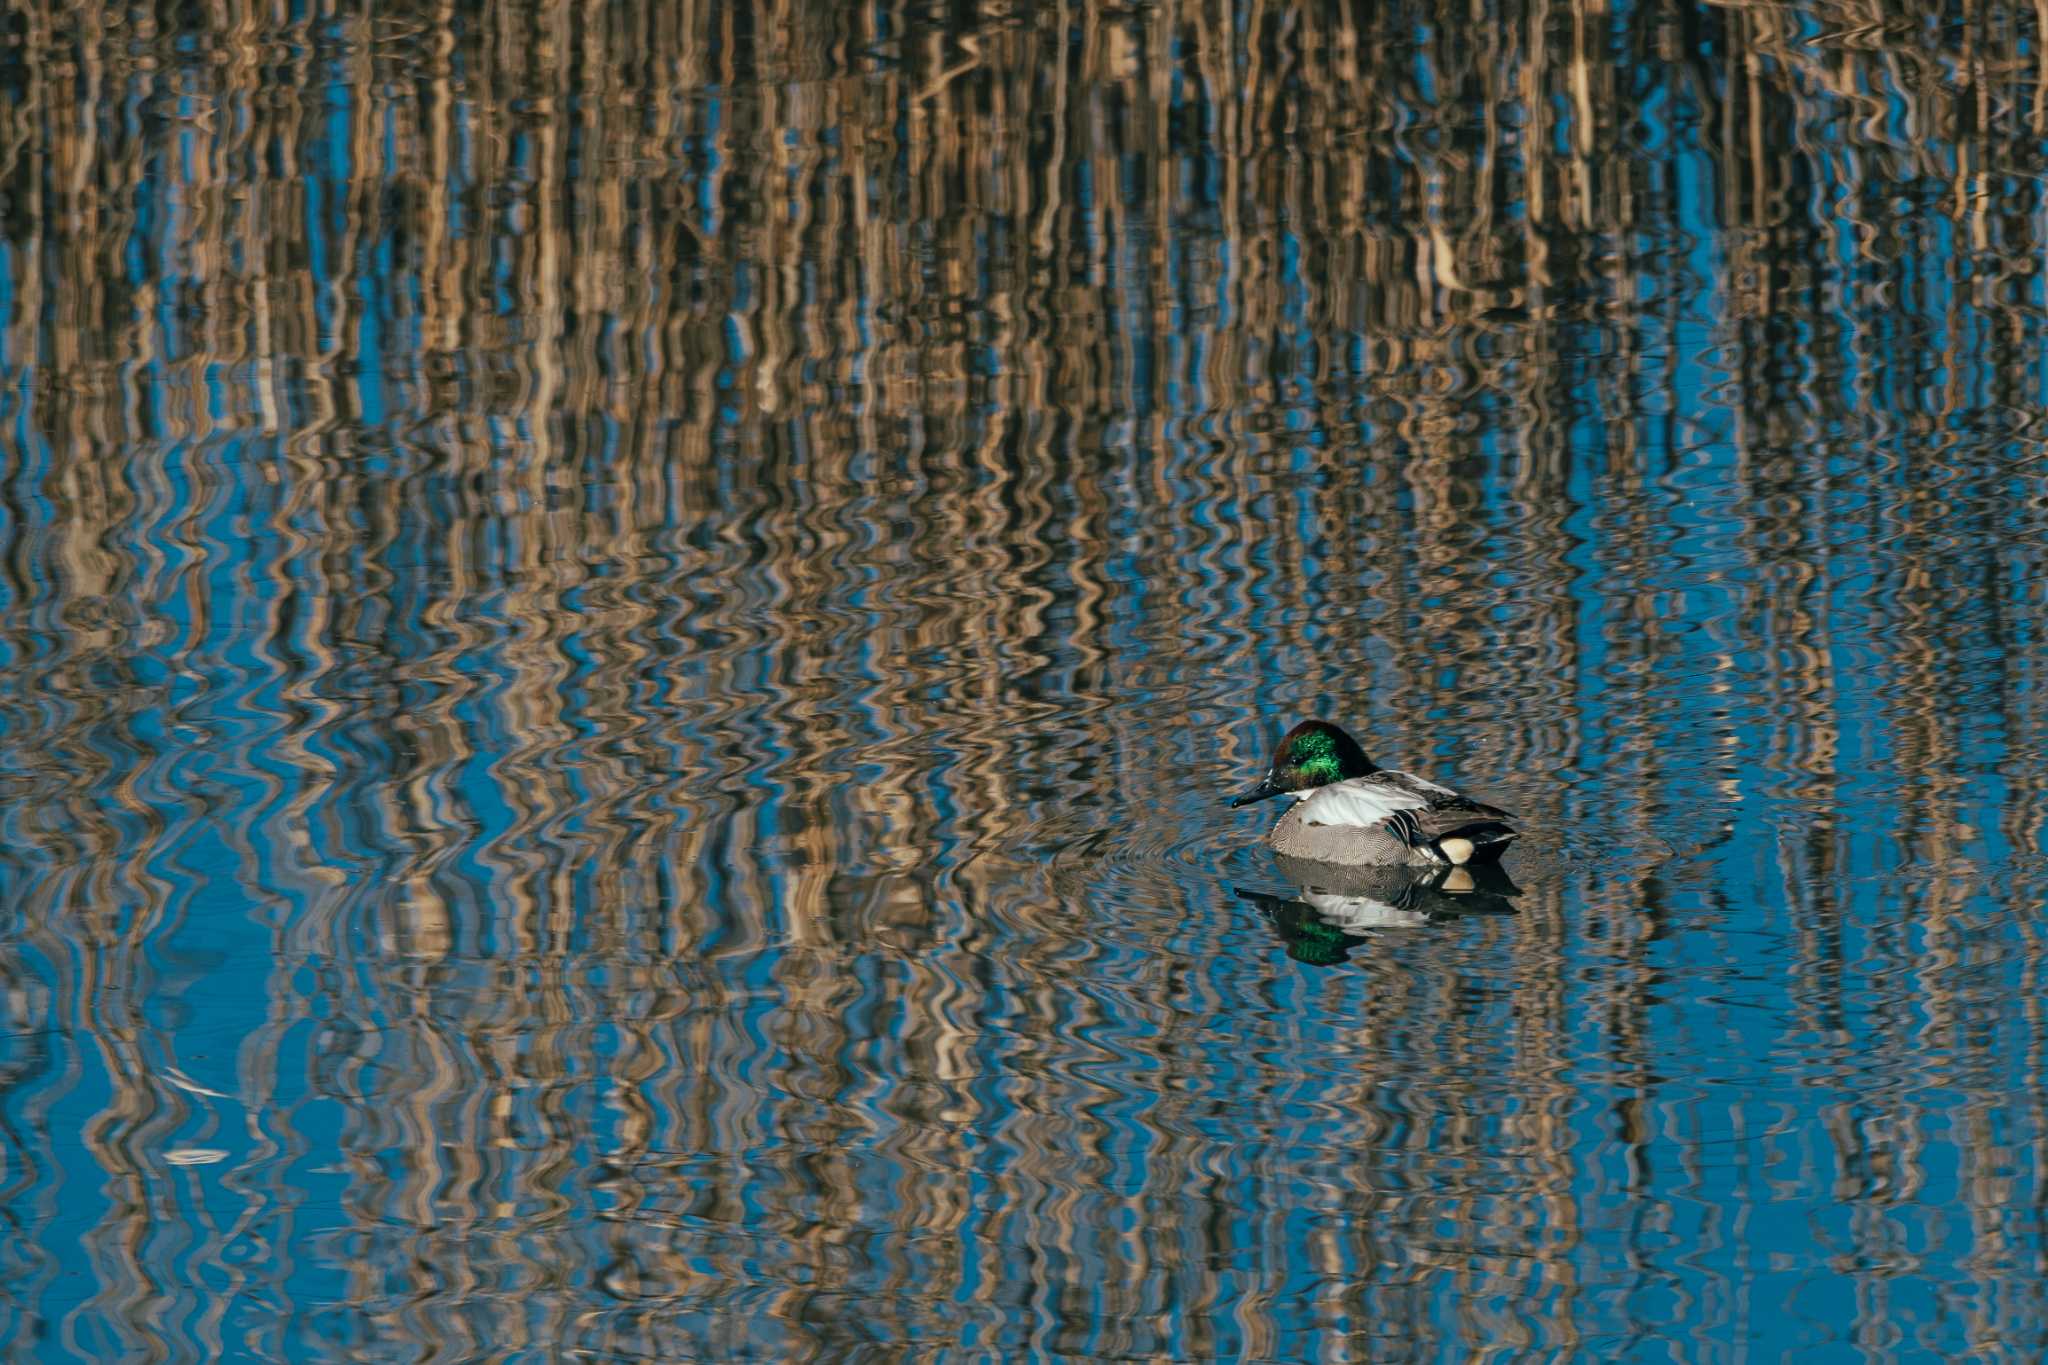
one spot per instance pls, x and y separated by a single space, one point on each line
618 627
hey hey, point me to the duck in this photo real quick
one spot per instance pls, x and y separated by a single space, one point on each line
1348 811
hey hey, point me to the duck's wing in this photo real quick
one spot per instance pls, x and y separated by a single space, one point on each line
1447 825
1437 798
1419 813
1359 801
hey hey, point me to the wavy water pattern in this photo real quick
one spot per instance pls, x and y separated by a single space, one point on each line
622 632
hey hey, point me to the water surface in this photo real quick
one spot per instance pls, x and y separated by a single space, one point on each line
623 631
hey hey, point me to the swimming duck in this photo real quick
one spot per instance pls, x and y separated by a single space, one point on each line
1348 811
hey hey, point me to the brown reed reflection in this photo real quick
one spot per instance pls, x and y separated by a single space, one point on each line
684 565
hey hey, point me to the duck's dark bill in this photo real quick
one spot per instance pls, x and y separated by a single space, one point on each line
1258 793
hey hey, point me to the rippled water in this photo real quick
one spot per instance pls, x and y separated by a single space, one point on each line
623 628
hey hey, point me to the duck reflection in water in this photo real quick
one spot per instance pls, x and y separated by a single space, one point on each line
1338 908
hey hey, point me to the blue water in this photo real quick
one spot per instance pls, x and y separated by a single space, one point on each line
623 636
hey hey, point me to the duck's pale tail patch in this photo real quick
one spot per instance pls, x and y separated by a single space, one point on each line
1481 841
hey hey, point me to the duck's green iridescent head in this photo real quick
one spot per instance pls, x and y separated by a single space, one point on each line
1312 754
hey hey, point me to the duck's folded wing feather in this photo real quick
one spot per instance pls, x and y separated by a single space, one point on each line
1437 798
1358 801
1420 814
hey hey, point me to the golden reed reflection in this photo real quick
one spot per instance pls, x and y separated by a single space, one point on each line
666 557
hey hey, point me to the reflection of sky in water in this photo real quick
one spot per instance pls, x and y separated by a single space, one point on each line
620 679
